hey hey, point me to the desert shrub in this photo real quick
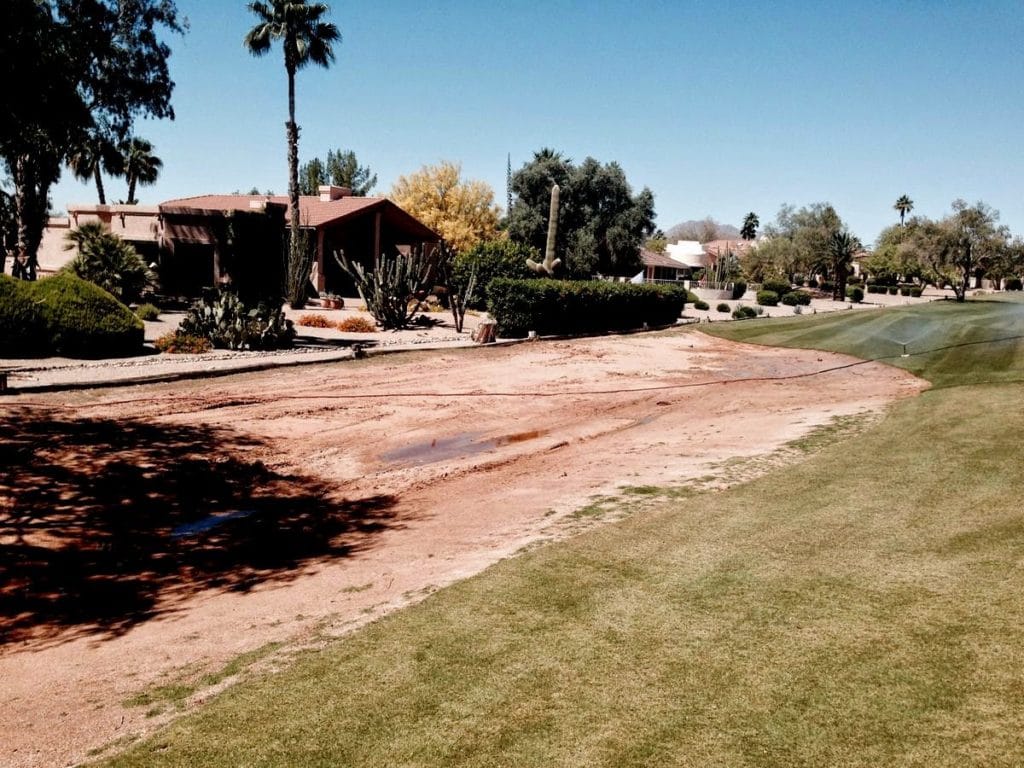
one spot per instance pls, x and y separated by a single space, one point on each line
701 305
893 290
1014 284
356 325
178 343
855 294
491 259
905 290
83 320
767 298
147 312
872 288
744 313
723 307
738 289
22 330
106 260
826 286
778 287
580 306
854 280
229 324
796 298
314 321
916 291
391 290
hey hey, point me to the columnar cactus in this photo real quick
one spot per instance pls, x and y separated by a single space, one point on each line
550 263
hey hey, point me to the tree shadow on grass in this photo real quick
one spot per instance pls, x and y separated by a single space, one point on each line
108 523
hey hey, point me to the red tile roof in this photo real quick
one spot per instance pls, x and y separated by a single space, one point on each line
654 259
720 247
313 212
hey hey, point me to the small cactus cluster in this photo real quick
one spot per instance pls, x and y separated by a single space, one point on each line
392 290
229 324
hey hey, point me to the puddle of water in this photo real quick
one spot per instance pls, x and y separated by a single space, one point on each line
211 521
458 446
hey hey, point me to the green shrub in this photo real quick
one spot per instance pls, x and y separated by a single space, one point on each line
1014 284
691 297
723 307
106 260
767 298
702 305
738 289
744 313
147 312
22 330
872 288
826 286
916 291
229 324
855 294
493 258
905 290
83 320
580 306
778 287
854 280
893 290
796 298
178 343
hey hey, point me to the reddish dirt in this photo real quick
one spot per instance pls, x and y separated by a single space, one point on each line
344 491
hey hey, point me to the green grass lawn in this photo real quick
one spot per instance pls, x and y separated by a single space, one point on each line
863 607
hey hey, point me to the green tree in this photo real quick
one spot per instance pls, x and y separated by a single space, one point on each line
904 205
601 223
106 260
82 68
842 247
341 169
750 225
958 247
140 164
94 155
305 39
810 231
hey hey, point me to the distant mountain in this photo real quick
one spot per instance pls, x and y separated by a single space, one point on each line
702 230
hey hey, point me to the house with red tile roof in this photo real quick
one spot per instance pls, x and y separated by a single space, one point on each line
196 242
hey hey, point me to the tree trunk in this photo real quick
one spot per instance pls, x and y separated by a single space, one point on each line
29 222
297 288
99 183
131 189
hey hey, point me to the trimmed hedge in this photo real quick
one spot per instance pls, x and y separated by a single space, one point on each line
768 298
855 294
1014 284
723 307
83 320
22 330
796 298
738 289
702 305
744 313
777 286
579 306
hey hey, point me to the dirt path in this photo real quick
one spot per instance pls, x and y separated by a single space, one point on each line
153 534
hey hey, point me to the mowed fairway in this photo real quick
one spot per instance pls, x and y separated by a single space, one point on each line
862 607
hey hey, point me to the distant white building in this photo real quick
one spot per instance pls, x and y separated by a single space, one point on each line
689 253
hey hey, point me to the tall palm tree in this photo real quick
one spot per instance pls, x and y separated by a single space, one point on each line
904 205
305 38
94 155
842 247
141 166
750 225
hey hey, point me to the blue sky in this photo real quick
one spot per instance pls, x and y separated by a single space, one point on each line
719 107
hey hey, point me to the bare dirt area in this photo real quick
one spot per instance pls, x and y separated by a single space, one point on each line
152 534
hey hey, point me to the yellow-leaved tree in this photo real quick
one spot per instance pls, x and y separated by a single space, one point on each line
462 211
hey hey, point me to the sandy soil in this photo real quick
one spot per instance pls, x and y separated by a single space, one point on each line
338 492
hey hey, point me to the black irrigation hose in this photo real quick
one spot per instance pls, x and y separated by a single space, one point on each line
585 393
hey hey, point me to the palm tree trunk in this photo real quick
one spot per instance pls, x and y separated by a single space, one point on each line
297 278
99 183
131 189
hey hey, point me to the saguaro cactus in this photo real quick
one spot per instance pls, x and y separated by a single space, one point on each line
550 263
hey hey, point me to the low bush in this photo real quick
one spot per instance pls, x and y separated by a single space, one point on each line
723 307
83 320
22 330
738 289
1014 284
229 324
356 324
825 286
744 313
491 259
854 280
893 290
872 288
147 312
314 321
855 294
778 287
905 290
702 305
768 298
580 306
916 291
178 343
796 298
